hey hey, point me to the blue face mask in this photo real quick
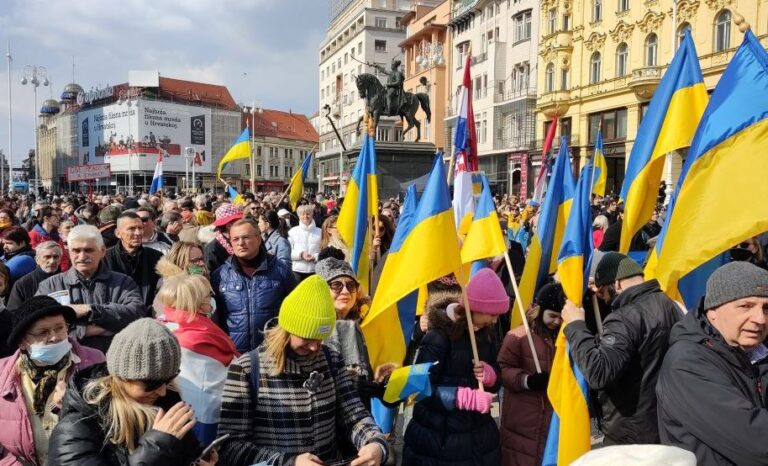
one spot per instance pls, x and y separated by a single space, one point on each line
48 355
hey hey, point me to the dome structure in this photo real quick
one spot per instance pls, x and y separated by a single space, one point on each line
50 107
70 92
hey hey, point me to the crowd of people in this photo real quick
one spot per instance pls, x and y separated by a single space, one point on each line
143 329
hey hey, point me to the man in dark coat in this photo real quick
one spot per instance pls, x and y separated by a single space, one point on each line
623 363
131 258
710 388
48 257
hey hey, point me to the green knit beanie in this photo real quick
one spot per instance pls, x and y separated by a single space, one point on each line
308 311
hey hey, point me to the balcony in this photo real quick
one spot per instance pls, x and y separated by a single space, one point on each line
480 58
554 103
508 95
644 81
450 111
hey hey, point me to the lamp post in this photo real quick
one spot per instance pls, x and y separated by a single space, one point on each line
189 154
35 75
10 131
253 110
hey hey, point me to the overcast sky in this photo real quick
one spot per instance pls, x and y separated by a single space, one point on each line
260 49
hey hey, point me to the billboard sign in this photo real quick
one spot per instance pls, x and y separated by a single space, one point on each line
120 135
88 172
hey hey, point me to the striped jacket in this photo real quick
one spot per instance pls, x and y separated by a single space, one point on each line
287 419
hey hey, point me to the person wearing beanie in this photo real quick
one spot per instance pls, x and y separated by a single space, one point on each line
526 411
454 426
34 378
711 400
623 363
292 384
127 411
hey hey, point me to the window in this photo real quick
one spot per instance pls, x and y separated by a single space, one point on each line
622 60
549 78
359 48
322 93
651 50
485 85
623 5
594 68
614 123
380 45
552 21
685 27
399 22
259 170
566 22
287 171
563 79
723 31
522 26
346 58
380 22
352 52
478 88
597 10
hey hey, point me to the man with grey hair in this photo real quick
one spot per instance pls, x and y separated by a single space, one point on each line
153 238
104 301
48 257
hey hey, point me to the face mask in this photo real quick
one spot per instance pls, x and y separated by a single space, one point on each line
48 355
195 270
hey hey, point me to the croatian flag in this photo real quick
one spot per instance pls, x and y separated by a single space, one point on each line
157 178
465 151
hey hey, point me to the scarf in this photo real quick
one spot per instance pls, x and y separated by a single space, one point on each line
45 379
224 242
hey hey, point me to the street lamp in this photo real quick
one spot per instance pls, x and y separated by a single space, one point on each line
35 75
253 110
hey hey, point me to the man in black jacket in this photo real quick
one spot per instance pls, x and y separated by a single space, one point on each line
48 258
711 385
623 363
131 258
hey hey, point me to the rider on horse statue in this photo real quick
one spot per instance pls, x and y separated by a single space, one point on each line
395 81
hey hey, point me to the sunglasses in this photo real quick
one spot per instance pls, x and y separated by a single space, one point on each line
339 285
145 219
152 385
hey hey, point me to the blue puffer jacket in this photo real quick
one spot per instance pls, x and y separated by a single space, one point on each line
245 304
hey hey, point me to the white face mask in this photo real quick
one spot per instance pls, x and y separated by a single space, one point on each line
48 355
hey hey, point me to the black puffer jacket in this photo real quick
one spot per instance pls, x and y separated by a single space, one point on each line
80 438
624 364
441 436
711 398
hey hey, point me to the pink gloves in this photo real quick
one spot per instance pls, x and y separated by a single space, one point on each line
489 375
469 399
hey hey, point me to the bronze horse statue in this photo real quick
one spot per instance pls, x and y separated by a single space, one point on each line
375 95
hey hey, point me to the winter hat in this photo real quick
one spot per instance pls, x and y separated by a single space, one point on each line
109 214
628 268
144 350
330 268
486 293
130 203
227 213
735 280
605 273
33 310
308 311
551 297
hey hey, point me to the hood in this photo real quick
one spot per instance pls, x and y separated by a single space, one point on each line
435 307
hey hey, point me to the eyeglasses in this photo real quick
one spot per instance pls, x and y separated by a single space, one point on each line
338 285
242 239
152 385
197 260
60 331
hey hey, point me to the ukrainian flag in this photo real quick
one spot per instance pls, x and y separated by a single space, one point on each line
297 182
360 204
234 196
600 175
719 200
669 124
407 381
576 250
241 149
545 243
484 238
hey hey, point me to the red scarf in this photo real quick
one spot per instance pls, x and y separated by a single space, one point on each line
202 336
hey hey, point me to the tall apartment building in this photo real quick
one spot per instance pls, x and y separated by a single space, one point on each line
502 38
601 61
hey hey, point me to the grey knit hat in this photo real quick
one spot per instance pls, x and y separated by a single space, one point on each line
735 280
628 268
330 268
144 350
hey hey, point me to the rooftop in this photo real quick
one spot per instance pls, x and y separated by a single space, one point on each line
285 125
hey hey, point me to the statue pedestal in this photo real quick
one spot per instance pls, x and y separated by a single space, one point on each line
397 164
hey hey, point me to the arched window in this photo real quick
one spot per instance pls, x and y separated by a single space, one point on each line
549 83
651 50
723 31
594 68
622 60
681 33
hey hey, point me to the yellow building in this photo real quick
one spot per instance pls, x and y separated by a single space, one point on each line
601 60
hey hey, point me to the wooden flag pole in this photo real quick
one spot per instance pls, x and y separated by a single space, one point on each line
596 310
470 326
522 312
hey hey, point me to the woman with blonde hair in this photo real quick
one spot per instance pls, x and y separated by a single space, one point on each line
291 385
126 412
330 236
305 243
206 350
183 258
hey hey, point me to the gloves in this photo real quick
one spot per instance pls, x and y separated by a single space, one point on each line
537 381
470 399
368 389
489 375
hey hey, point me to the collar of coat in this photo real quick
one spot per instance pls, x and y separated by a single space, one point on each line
73 277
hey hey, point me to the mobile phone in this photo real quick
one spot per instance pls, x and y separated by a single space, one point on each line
213 445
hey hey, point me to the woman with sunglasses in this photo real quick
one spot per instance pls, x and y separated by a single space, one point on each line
34 378
126 411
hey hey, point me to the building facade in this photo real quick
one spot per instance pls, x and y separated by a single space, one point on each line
601 60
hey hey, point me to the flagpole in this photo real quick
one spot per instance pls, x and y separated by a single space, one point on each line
594 154
596 310
519 302
471 326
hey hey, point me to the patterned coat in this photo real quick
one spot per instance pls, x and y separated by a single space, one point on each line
285 419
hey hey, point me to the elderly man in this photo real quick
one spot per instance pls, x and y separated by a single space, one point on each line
249 286
130 257
153 239
172 224
107 224
710 390
48 257
105 301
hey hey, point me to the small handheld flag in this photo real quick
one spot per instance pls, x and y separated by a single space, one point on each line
157 178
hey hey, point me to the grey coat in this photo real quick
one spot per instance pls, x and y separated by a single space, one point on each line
114 298
278 247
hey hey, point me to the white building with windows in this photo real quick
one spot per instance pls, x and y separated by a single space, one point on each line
502 37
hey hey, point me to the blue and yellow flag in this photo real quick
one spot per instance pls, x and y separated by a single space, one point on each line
484 238
545 243
297 181
407 381
669 124
234 196
575 254
360 204
600 175
724 172
241 149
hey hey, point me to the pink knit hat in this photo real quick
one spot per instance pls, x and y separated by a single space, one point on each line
486 293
